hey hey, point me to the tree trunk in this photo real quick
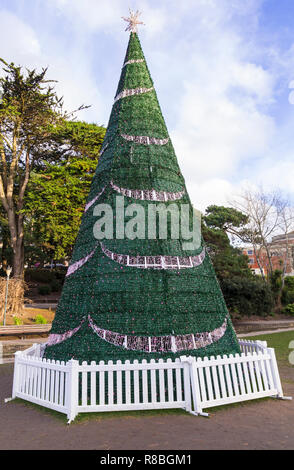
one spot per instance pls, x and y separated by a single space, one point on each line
259 263
15 224
269 259
5 245
283 275
18 261
278 308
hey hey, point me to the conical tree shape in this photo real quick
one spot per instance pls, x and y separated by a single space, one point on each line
138 298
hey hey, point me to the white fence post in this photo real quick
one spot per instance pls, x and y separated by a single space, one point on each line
275 372
38 346
187 382
276 375
15 387
195 386
1 353
261 344
72 389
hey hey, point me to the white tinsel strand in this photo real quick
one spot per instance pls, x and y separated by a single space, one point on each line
148 194
151 344
133 61
131 92
155 262
89 204
145 140
78 264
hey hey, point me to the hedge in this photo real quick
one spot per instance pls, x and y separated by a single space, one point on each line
247 296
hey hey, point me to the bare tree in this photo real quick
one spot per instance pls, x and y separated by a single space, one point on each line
265 212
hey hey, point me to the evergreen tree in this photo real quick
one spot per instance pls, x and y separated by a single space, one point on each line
57 192
28 107
138 298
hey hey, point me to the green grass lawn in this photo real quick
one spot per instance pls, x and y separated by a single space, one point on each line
279 341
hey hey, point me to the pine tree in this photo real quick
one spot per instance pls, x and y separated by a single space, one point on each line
138 298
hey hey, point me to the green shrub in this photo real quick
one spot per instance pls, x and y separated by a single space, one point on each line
17 321
40 320
290 297
44 290
39 275
288 291
45 275
289 282
60 273
287 296
289 309
247 296
55 285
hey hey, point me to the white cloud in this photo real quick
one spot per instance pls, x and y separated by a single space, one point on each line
208 191
76 85
214 134
280 174
223 120
17 39
215 91
21 45
106 15
91 14
253 79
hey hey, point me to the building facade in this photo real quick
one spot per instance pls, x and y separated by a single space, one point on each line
281 250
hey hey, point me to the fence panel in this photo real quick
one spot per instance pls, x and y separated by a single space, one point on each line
235 378
40 381
134 386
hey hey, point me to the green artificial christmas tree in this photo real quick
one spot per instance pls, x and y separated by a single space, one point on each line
143 297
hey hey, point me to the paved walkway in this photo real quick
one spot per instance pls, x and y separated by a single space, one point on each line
266 424
266 332
42 305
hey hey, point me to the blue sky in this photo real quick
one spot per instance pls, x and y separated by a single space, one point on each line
221 68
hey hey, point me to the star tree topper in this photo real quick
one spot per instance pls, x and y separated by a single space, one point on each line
133 21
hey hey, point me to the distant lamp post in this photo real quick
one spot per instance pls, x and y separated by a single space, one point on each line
8 272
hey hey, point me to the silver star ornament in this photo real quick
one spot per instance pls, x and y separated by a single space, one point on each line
133 21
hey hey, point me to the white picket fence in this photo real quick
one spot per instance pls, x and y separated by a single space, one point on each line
188 383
